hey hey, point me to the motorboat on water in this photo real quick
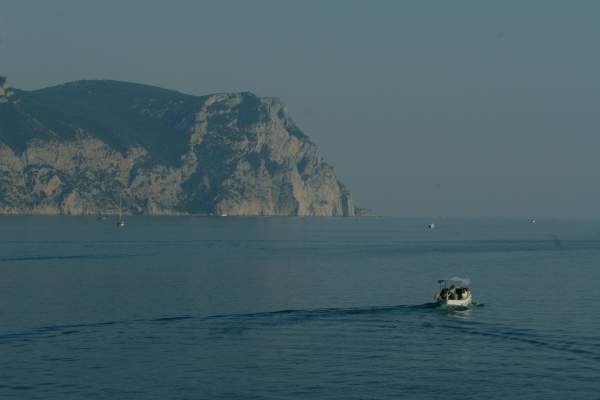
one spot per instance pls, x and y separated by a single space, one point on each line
457 294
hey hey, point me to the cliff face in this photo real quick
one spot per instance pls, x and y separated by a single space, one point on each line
83 147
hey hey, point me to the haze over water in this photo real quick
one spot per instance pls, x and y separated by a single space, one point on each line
435 108
296 308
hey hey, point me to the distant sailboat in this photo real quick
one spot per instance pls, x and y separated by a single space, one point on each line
121 220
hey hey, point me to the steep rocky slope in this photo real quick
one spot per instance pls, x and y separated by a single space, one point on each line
83 147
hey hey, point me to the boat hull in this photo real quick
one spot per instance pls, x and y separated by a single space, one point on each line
456 303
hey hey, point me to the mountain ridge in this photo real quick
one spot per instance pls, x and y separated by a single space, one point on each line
77 147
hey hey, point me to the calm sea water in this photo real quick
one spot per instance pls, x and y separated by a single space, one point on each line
296 308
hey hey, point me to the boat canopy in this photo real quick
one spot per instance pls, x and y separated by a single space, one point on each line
455 280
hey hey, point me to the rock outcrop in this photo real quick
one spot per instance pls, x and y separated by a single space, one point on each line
85 147
4 90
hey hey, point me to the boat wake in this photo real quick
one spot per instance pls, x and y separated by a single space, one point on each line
266 318
429 320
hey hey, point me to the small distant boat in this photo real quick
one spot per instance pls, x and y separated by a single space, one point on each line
101 218
431 226
532 221
453 295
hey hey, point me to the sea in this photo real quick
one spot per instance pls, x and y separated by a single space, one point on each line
297 308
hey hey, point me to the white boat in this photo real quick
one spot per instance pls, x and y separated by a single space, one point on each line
431 226
453 295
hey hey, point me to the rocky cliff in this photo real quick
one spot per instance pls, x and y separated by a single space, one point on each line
84 147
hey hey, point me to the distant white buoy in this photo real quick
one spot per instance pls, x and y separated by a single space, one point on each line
431 226
532 221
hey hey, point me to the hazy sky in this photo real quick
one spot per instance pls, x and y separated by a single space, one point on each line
425 108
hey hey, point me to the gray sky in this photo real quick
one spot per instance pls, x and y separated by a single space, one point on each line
425 108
